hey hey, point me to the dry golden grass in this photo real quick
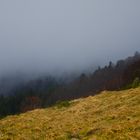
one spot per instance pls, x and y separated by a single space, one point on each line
107 116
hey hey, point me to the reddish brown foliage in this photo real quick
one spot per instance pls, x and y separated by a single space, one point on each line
30 103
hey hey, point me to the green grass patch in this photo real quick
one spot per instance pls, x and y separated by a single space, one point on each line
61 104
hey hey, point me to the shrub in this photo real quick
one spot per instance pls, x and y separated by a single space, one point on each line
61 104
136 82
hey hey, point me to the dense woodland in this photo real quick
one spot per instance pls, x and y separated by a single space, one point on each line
47 91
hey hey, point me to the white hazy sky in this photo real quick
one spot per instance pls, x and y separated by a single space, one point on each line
51 35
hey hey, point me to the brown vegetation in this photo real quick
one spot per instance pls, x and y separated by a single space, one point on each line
109 116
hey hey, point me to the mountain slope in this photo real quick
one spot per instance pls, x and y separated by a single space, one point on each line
108 116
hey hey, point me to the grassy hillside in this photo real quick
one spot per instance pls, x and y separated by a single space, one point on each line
108 116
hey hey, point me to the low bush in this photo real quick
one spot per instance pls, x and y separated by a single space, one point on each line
61 104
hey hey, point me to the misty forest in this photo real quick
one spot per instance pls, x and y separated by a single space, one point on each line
70 70
48 90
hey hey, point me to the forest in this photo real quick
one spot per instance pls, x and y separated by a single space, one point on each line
47 91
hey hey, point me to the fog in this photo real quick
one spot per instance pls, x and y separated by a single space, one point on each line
56 36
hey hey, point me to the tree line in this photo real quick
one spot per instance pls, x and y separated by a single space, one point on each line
44 92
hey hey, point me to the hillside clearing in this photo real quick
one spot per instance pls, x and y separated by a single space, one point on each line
108 116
